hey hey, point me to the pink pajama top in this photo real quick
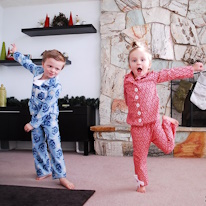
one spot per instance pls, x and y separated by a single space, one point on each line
141 94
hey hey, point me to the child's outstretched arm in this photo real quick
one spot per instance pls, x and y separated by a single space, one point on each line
24 61
197 66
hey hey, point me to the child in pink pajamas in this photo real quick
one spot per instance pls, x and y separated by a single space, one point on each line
143 108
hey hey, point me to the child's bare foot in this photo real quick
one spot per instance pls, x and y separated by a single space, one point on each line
141 189
43 177
66 183
174 121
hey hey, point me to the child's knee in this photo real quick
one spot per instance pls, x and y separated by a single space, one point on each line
168 150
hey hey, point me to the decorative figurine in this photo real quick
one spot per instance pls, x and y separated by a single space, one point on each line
77 20
46 24
60 20
3 96
65 55
41 23
3 52
9 55
70 20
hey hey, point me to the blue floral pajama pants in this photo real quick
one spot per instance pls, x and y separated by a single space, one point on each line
45 163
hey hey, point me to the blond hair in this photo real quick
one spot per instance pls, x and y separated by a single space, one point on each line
54 54
137 45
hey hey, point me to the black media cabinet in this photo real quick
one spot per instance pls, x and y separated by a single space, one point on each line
74 125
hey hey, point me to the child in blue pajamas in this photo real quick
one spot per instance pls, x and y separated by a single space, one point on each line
44 110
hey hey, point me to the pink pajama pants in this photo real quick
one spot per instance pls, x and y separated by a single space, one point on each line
161 135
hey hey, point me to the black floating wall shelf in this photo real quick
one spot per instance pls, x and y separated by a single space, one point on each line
14 63
47 31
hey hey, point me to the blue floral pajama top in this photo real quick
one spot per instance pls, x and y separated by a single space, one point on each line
45 94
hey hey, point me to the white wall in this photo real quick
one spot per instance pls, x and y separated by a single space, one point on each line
82 77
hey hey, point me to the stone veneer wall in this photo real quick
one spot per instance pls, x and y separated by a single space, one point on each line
175 32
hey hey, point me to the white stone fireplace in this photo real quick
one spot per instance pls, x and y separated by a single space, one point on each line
175 32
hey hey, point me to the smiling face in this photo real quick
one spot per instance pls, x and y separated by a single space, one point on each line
139 62
52 68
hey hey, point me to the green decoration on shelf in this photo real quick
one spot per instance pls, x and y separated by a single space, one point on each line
3 52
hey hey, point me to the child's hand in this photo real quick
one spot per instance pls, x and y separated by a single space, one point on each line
198 66
14 48
28 127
